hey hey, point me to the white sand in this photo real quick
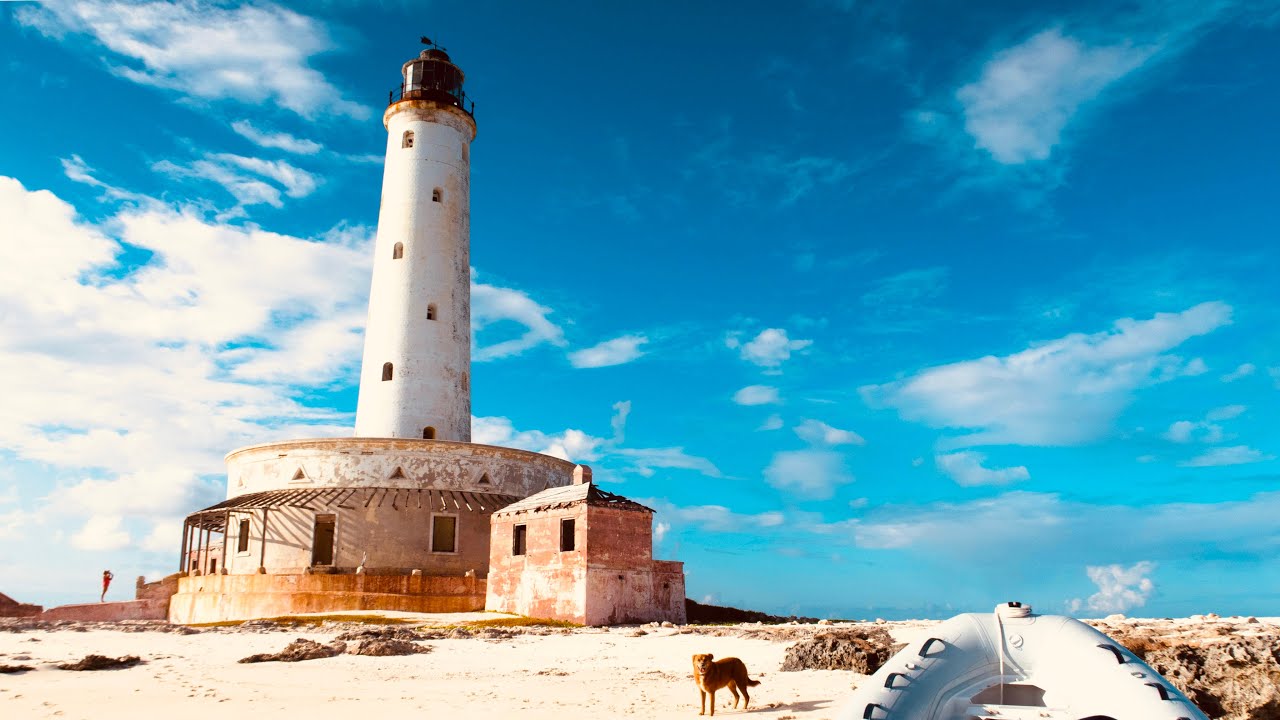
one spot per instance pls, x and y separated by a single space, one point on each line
590 673
587 674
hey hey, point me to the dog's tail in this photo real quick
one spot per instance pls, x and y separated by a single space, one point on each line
752 683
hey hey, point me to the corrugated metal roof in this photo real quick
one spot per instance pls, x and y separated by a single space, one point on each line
571 495
349 498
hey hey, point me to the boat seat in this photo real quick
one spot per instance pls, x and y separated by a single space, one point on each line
988 711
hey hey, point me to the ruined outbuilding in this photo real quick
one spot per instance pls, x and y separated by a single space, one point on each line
582 555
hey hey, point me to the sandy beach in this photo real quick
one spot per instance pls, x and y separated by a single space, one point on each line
526 672
562 674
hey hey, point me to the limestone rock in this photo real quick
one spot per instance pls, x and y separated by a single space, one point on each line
1117 617
388 647
861 650
101 662
298 650
14 669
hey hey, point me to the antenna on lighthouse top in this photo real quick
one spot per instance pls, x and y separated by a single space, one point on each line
427 41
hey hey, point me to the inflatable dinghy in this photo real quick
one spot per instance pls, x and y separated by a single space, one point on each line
1015 665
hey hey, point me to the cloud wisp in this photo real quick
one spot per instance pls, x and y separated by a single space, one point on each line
1067 391
255 54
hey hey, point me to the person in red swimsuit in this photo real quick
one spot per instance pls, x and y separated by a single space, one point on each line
106 583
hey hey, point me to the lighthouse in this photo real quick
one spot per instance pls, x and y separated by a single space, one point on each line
415 376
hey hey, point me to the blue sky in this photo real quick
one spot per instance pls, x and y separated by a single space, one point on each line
889 309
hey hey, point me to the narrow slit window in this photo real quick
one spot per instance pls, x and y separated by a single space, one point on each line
242 542
386 371
397 252
428 433
444 533
406 140
213 566
431 311
517 540
437 195
566 535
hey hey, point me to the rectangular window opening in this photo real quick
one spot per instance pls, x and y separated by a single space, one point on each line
444 533
566 535
323 540
242 541
517 540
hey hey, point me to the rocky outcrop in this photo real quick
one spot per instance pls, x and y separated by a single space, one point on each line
388 647
862 650
101 662
299 650
14 609
1229 671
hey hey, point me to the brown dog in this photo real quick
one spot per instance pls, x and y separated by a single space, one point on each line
711 675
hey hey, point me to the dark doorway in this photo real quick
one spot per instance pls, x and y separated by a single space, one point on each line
322 545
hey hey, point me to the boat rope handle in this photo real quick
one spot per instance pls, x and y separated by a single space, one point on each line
888 682
1000 649
871 710
924 649
1114 649
1164 691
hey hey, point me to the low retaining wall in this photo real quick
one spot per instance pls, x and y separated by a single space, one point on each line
219 598
152 609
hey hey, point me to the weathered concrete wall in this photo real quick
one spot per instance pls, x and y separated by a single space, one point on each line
430 353
373 462
153 609
12 608
619 538
544 582
388 538
610 577
217 598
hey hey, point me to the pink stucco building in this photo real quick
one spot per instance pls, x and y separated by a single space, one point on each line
584 555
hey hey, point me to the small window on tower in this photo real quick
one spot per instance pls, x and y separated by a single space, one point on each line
397 252
428 433
437 195
386 371
242 543
407 140
431 311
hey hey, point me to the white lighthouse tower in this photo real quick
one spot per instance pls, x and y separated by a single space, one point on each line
415 378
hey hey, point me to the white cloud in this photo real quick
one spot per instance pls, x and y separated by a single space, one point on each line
1063 392
275 140
716 518
810 474
617 351
578 446
757 395
1120 588
1027 94
907 289
1234 455
773 422
245 178
494 306
1242 371
768 349
816 432
1050 531
1205 431
256 54
573 445
101 532
1226 412
645 460
660 530
966 469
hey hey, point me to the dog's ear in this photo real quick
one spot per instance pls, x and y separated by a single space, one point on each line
710 657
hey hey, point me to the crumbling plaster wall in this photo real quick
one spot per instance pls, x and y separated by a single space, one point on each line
372 462
544 582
